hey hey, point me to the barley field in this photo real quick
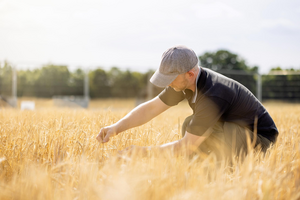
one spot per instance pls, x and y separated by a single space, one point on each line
52 153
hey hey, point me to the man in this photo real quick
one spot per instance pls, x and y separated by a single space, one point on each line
225 112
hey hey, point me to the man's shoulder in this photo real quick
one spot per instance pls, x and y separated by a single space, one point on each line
215 77
219 86
171 97
216 84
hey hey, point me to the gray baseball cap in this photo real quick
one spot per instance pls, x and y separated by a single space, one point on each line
176 60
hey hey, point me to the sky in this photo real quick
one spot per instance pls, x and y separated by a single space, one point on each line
133 34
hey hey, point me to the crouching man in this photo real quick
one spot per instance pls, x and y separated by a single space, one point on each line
225 112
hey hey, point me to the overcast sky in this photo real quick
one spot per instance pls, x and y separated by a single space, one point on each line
133 34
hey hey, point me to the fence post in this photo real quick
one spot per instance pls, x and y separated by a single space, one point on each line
258 87
14 87
86 87
149 88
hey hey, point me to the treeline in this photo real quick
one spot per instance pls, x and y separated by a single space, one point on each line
281 84
50 80
227 63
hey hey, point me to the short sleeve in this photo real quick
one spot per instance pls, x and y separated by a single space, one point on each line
171 97
207 112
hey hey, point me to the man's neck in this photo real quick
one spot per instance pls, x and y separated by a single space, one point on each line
194 81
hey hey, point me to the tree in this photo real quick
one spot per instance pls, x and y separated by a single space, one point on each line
75 83
6 79
52 80
99 84
224 61
124 84
283 84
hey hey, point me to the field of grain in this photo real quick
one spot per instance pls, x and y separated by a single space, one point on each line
52 153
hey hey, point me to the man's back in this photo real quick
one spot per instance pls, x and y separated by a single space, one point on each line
220 98
236 103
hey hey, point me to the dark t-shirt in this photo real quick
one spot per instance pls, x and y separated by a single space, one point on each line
220 98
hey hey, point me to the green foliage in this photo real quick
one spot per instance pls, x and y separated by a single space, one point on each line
58 80
276 69
53 80
224 61
75 83
5 79
281 84
279 69
125 84
99 84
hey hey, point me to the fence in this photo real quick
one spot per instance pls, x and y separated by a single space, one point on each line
277 85
281 86
249 79
12 85
8 88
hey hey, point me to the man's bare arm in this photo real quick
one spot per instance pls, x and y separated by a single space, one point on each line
185 146
188 144
138 116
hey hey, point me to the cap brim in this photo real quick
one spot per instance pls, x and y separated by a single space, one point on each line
162 80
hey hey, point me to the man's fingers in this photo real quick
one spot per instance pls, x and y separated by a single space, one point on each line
105 134
101 135
106 138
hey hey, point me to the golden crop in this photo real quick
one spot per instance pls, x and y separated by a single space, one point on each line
51 153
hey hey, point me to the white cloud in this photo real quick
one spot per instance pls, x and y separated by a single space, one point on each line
135 33
285 23
216 10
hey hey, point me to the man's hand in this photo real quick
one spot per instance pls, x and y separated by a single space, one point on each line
138 116
106 132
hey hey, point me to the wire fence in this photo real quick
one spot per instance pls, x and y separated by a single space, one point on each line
277 85
281 87
100 83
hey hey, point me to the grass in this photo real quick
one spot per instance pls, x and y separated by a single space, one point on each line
51 153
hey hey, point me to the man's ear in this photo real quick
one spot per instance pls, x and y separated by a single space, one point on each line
191 73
